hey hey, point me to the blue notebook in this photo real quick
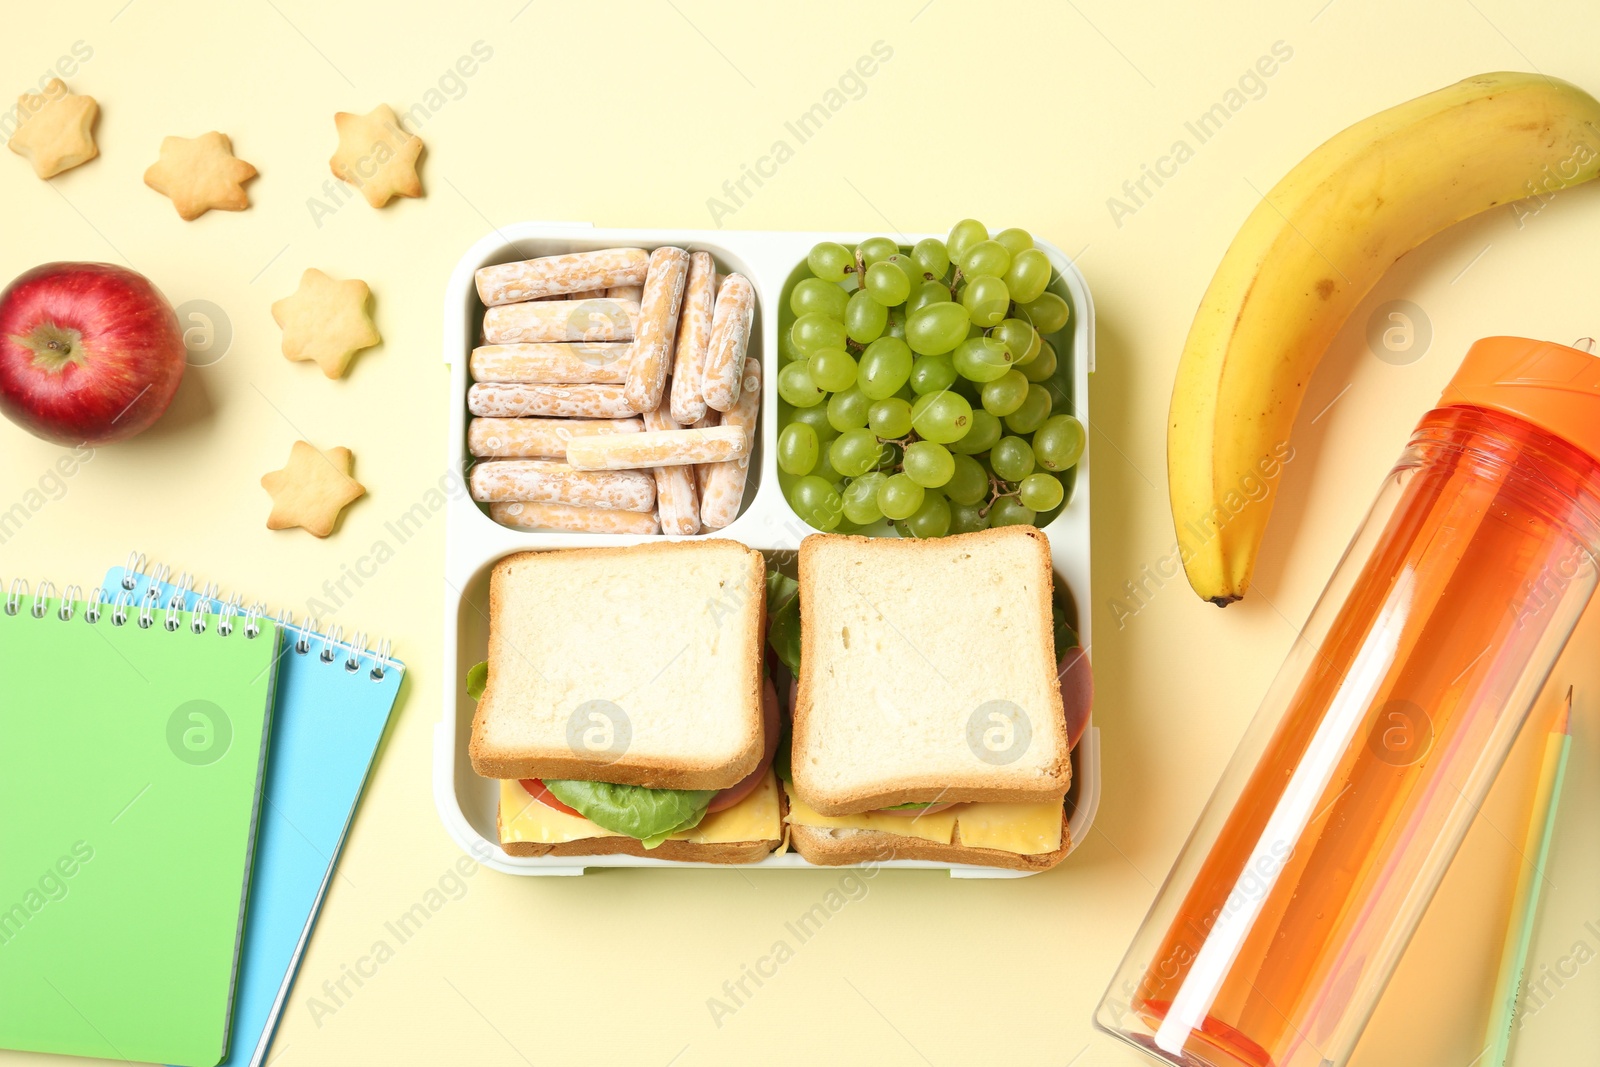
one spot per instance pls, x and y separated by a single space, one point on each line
333 701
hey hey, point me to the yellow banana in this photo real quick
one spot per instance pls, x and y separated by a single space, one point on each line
1308 255
1304 259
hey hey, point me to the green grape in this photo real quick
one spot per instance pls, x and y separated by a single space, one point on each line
1042 366
1011 458
1007 512
1019 337
864 317
830 261
814 294
899 497
1014 240
982 359
968 482
795 386
861 498
889 455
897 324
813 332
969 389
890 417
1029 274
847 410
1058 444
786 352
854 453
824 468
931 519
888 284
832 369
927 293
1048 312
1040 492
1035 346
986 257
937 328
932 256
928 464
816 502
968 518
963 235
986 299
985 431
932 374
885 366
814 417
941 417
876 249
1032 412
1006 393
797 448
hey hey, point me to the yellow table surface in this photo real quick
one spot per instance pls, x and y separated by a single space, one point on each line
635 114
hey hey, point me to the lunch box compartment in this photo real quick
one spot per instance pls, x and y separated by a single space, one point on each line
474 542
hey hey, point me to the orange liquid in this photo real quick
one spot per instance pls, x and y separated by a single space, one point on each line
1464 599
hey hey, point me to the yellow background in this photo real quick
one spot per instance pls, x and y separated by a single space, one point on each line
634 114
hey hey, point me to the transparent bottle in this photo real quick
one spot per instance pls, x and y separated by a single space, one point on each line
1312 863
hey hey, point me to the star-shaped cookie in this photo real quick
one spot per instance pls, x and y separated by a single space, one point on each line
376 155
200 173
57 129
326 321
312 490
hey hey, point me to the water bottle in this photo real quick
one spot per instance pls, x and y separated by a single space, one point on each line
1312 863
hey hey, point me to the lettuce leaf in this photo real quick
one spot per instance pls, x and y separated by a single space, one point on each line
783 618
477 679
651 815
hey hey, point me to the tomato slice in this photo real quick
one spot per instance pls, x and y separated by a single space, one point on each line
769 726
538 791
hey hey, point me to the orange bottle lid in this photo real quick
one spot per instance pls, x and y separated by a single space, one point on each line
1555 387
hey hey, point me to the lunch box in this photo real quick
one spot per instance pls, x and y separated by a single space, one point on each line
474 542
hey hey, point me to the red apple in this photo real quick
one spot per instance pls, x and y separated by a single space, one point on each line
90 353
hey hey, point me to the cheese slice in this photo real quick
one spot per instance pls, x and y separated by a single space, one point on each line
522 818
1023 829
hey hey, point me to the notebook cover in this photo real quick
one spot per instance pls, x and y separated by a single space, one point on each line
128 777
326 727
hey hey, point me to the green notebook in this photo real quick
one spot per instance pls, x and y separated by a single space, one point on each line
132 741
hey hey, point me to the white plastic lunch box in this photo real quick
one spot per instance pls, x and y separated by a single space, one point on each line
474 542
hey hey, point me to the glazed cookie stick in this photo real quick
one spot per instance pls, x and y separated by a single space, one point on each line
508 400
531 516
576 272
694 333
730 339
658 448
538 321
626 292
491 438
605 363
677 497
724 488
548 481
656 326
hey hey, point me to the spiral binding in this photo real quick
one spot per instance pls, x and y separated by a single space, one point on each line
119 607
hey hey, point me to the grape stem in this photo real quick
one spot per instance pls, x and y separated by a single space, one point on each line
861 266
955 282
996 485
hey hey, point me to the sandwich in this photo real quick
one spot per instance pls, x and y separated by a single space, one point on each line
928 721
623 707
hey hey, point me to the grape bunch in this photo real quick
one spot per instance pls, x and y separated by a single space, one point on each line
917 386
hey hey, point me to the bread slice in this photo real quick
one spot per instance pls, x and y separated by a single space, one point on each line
637 665
927 672
677 851
827 847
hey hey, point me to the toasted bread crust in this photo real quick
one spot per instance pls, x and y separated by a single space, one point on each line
491 762
827 847
912 789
